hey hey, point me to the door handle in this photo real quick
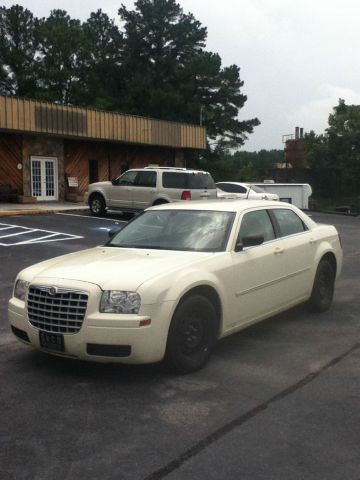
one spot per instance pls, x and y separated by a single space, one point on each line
278 251
312 240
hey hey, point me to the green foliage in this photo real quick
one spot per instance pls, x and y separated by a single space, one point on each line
17 51
335 156
156 65
100 70
240 166
173 77
61 49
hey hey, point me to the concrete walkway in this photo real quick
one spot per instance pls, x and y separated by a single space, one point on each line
10 209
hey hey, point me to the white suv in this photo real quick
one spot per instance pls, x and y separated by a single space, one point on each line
140 188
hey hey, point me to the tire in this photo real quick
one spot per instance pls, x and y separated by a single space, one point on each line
192 335
323 289
159 202
97 205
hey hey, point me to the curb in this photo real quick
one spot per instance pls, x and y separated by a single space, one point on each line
13 213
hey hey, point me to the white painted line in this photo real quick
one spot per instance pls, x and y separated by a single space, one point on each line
90 217
50 236
16 226
47 241
19 233
32 240
43 240
6 228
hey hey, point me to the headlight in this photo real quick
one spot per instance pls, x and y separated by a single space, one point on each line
21 287
117 301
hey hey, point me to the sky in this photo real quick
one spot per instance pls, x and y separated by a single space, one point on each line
296 58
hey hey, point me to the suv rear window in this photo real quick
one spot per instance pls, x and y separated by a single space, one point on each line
188 181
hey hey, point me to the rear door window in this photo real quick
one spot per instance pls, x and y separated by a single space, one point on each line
289 223
145 179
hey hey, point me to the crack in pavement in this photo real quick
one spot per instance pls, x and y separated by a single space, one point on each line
227 428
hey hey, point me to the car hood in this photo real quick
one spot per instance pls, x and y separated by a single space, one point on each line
112 268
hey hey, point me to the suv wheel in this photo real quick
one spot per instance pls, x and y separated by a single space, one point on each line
97 205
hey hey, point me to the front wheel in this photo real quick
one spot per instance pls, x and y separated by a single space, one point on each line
323 289
192 335
97 205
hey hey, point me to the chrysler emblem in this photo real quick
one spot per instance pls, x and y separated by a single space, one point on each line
52 291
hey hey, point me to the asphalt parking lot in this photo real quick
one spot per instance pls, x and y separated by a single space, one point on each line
280 400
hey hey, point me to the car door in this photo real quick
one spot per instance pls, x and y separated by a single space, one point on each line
258 271
121 191
144 189
299 251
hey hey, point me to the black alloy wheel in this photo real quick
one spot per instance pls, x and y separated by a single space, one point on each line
323 289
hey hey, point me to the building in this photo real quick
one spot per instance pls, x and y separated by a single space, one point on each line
294 149
52 152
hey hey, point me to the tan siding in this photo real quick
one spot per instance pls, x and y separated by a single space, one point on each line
39 117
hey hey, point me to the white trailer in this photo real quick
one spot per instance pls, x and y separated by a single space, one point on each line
295 193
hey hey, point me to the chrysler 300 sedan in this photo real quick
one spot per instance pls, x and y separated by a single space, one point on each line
174 280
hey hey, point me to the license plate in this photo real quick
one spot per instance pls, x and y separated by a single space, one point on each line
52 341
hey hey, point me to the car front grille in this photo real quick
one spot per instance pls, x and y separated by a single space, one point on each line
55 309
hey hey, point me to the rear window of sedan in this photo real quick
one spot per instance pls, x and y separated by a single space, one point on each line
188 181
289 223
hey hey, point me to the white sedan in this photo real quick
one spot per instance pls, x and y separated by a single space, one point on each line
174 280
243 190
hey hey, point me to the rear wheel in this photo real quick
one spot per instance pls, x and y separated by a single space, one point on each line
192 335
97 205
323 289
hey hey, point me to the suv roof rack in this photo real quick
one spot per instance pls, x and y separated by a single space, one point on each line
150 167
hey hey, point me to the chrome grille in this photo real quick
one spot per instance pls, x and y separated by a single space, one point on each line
55 309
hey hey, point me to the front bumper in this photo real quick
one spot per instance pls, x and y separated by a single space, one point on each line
105 337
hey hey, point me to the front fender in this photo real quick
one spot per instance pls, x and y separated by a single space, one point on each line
100 191
173 288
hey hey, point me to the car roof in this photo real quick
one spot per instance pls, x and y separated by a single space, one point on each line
236 183
225 205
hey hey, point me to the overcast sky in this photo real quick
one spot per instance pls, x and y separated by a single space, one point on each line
297 58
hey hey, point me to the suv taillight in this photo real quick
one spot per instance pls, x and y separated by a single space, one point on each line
186 195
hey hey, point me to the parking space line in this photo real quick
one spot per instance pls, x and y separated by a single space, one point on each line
32 240
91 218
5 228
38 235
19 233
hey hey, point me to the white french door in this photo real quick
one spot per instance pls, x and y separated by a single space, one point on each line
44 178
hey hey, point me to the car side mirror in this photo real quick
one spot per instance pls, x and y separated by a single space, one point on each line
115 181
113 231
249 241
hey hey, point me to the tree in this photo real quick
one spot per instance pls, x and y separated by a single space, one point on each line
335 156
17 51
101 72
169 75
62 51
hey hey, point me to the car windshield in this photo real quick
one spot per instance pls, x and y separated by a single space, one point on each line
190 230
